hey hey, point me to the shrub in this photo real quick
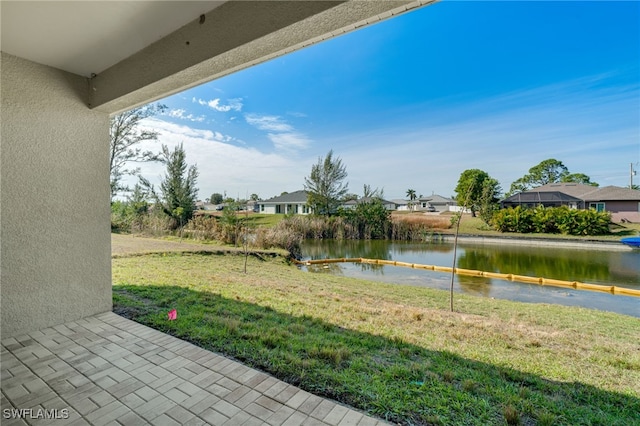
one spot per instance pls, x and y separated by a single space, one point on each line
552 220
280 236
203 227
544 220
515 219
129 216
371 220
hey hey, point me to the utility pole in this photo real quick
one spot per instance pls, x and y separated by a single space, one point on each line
631 173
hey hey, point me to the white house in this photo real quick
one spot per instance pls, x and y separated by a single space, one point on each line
435 203
293 202
351 204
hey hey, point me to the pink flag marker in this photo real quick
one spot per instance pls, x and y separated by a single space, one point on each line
173 314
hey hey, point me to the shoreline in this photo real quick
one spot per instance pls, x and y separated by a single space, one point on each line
539 242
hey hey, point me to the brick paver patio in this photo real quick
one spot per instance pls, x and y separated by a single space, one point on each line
107 370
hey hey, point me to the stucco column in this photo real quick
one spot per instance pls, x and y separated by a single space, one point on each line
55 260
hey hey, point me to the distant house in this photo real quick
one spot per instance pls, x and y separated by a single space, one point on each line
535 198
435 203
351 204
622 203
402 204
209 206
291 203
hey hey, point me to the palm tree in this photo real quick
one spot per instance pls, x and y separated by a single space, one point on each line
411 193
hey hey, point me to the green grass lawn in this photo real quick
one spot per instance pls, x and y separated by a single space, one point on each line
254 219
395 352
261 219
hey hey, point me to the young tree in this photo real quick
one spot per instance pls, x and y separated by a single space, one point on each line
370 218
325 184
488 203
368 192
125 139
139 206
476 190
178 188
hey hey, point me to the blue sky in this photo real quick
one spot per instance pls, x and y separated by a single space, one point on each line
413 101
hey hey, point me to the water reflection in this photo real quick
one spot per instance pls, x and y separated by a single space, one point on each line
330 249
620 268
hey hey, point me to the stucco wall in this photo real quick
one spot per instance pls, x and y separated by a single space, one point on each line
54 199
619 206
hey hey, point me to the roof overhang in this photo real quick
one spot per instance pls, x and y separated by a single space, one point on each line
136 52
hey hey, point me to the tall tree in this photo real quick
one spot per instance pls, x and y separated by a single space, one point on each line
578 178
476 190
216 198
548 171
126 137
178 187
325 184
411 193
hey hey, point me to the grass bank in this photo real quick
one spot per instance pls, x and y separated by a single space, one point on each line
394 351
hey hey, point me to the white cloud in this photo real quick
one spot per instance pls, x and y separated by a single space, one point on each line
282 134
223 166
163 127
234 104
289 141
180 113
270 123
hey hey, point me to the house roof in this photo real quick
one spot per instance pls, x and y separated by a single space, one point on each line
291 197
586 192
437 199
613 193
578 190
540 197
366 200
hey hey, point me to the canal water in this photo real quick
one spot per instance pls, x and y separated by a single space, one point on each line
594 266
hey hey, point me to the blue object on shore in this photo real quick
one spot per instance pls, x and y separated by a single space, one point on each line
631 241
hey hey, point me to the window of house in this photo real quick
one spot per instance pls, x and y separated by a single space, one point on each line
599 207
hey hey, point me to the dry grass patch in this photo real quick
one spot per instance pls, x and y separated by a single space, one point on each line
435 222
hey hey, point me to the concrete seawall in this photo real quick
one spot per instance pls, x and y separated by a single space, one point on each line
540 242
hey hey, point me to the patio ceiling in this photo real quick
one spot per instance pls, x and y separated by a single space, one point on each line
88 37
135 52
